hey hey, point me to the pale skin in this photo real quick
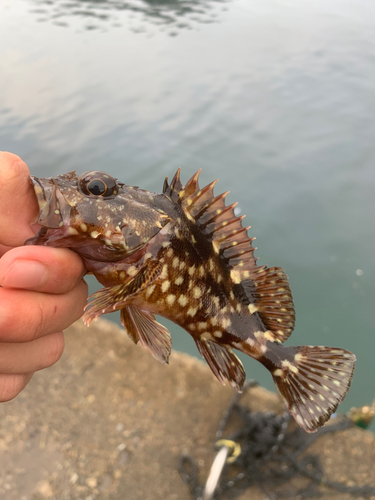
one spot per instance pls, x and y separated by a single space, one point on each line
42 290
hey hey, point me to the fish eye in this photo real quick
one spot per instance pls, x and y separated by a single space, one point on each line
97 183
97 187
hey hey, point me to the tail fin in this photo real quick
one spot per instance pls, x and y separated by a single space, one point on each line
314 383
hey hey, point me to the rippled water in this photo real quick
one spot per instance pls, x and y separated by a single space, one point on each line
274 98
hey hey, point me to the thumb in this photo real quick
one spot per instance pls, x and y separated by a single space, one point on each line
18 204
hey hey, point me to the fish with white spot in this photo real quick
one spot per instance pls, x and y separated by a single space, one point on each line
185 255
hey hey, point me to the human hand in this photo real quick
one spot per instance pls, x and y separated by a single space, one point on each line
41 288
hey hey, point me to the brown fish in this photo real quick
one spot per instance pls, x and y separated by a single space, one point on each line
184 255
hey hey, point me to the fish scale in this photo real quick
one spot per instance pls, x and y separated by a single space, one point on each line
184 254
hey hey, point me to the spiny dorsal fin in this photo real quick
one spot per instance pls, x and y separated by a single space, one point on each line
173 190
266 288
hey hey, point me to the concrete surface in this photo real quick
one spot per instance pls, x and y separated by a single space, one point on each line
109 422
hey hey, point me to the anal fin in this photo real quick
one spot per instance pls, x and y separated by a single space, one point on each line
223 362
141 326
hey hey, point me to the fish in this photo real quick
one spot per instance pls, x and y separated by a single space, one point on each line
184 254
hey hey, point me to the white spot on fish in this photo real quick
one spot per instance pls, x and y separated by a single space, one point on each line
149 290
252 308
192 311
182 299
268 334
202 325
235 276
226 322
191 270
216 301
286 364
132 271
190 217
299 419
216 246
164 272
206 336
170 299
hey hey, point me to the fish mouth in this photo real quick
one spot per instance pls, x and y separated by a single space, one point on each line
50 201
53 211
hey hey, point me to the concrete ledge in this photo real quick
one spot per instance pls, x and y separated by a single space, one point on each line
109 422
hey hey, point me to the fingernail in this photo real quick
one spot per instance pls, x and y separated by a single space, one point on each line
25 274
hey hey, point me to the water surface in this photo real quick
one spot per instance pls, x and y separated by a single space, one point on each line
274 98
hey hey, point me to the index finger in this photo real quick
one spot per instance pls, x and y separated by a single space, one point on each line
18 204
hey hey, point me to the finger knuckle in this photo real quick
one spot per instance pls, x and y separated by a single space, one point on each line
38 325
14 325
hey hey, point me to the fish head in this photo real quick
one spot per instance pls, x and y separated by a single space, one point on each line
93 214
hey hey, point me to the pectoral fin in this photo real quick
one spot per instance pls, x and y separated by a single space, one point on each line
141 326
115 297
